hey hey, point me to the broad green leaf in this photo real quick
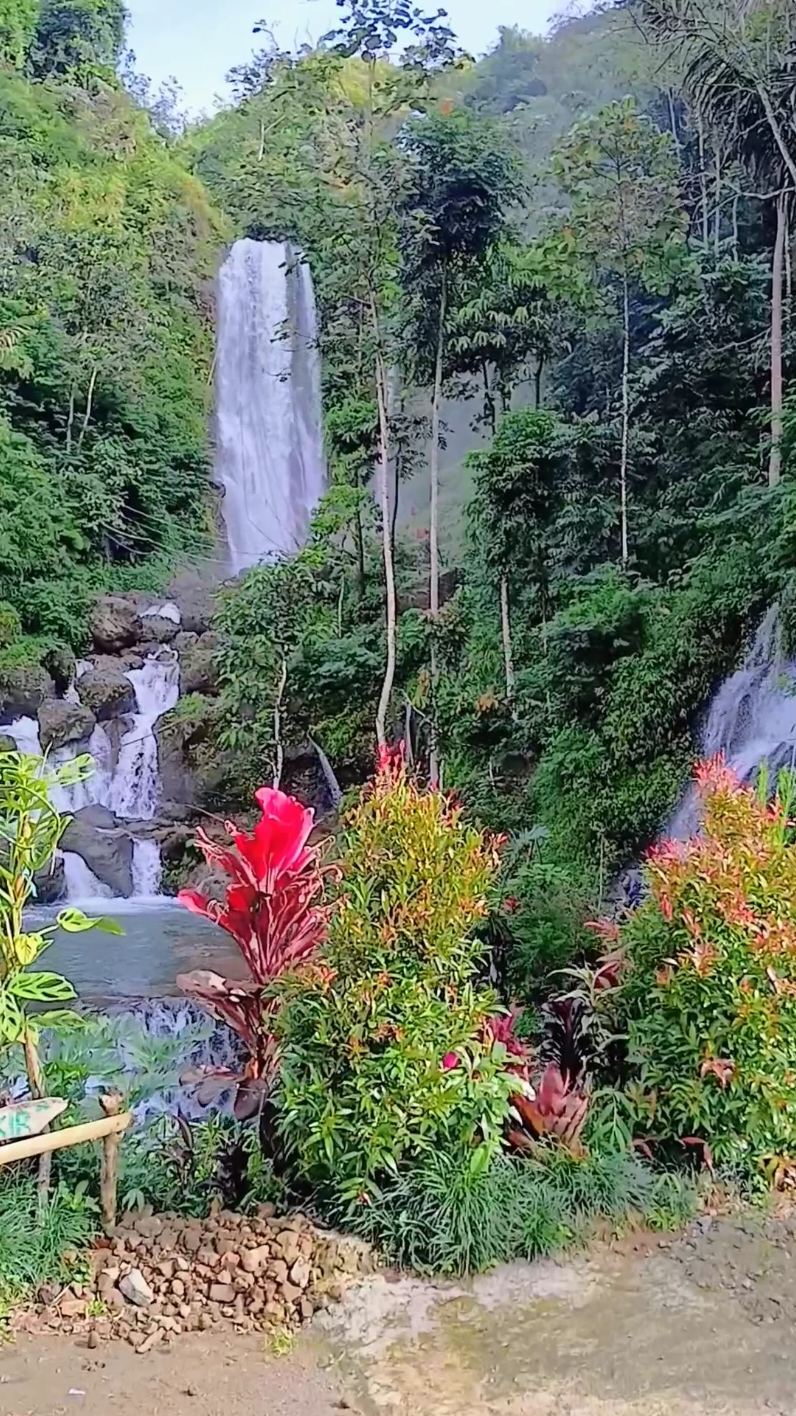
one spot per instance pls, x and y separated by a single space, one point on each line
64 1019
41 987
27 947
74 921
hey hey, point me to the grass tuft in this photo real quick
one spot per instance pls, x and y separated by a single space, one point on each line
32 1250
440 1217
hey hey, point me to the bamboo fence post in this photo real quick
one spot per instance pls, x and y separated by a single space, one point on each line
109 1166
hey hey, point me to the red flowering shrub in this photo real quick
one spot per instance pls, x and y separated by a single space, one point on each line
272 910
708 990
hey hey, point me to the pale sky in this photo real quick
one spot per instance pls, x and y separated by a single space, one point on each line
198 41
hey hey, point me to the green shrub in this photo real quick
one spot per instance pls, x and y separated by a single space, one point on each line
545 904
709 996
369 1036
10 624
185 1169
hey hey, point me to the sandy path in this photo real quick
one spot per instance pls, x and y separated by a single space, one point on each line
701 1326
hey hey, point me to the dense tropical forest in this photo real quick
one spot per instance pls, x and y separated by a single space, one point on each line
573 254
556 305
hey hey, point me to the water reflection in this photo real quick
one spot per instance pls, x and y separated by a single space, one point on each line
160 940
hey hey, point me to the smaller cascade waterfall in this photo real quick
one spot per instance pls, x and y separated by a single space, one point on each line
135 788
147 868
268 406
82 884
131 789
752 719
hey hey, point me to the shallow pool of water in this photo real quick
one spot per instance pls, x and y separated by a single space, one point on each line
160 940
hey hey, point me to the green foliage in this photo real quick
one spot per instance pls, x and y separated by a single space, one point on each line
516 481
620 174
17 24
549 902
30 829
105 246
33 1244
708 995
364 1088
184 1168
10 624
441 1217
83 37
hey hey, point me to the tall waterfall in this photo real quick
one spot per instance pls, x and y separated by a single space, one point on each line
130 788
752 719
268 401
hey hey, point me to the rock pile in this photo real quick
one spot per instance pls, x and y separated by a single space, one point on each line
162 1276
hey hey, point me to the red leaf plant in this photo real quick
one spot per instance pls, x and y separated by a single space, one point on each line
272 910
554 1103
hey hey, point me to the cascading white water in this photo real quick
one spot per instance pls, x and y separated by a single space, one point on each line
131 789
268 406
147 868
82 885
135 787
752 719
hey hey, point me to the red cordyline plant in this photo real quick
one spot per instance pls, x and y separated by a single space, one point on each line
272 910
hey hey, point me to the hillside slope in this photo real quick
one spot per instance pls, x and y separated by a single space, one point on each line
107 251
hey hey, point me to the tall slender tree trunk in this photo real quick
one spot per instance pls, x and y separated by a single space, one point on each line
703 185
490 412
396 465
505 628
625 413
37 1088
717 212
673 119
279 748
776 130
433 533
89 406
359 536
382 395
537 381
777 271
735 233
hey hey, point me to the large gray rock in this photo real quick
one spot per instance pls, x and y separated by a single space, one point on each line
115 624
100 816
194 592
60 663
61 722
107 692
198 673
23 690
158 630
51 883
192 768
129 659
107 851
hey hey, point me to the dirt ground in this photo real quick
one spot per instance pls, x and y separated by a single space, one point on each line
700 1325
